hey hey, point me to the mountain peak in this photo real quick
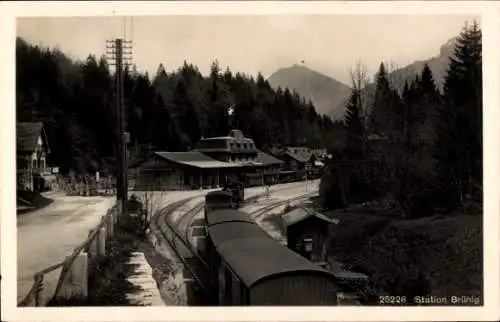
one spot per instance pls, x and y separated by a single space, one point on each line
322 90
329 96
447 49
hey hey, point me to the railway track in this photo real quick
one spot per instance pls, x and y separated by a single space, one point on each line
193 264
255 215
176 232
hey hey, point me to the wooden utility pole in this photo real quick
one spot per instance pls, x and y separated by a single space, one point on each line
119 54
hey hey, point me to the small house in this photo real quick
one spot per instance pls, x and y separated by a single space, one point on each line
32 150
306 231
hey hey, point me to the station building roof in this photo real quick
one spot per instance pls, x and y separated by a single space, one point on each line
201 160
235 142
194 159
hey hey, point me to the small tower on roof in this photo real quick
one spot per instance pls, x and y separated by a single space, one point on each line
237 135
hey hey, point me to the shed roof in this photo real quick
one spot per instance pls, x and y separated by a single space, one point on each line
267 159
27 134
300 214
349 275
298 154
195 159
251 253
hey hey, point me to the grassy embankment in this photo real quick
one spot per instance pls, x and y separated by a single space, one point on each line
108 284
28 201
439 256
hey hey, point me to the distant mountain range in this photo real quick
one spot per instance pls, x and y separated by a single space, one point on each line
329 96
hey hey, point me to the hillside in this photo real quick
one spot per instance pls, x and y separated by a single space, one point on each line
169 112
438 65
438 256
325 92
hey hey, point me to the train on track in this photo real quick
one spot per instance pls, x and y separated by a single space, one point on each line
248 267
237 190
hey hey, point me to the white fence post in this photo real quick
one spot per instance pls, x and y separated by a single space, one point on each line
119 207
94 247
101 237
110 224
76 284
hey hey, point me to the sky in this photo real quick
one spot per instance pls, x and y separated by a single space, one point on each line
252 44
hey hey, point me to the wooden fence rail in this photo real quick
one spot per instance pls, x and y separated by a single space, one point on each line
73 280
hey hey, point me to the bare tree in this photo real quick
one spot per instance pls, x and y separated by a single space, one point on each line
144 194
360 81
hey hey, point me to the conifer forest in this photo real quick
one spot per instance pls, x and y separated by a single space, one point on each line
418 147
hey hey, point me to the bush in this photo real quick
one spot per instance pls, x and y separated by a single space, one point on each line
441 256
134 205
330 194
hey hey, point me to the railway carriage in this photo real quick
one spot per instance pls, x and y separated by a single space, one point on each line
220 199
248 267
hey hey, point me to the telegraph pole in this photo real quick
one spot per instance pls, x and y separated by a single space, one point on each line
119 54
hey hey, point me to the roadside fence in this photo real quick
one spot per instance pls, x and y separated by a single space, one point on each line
76 270
84 185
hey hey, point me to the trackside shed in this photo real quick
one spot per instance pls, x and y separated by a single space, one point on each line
306 231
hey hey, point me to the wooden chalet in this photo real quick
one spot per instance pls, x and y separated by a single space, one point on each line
32 150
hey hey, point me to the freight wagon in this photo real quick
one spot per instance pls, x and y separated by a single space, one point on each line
248 267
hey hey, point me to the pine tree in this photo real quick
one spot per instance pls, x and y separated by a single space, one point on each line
354 127
76 102
380 112
187 117
458 150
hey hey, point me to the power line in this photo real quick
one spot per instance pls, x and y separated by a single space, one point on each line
119 54
124 20
132 28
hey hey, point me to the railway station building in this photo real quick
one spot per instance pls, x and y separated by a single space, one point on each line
209 165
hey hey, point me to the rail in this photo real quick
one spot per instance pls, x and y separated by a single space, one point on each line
264 210
176 235
69 285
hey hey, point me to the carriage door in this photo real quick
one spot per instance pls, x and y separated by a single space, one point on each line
228 290
222 283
